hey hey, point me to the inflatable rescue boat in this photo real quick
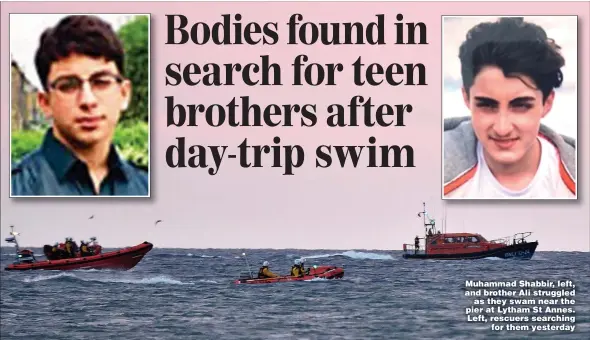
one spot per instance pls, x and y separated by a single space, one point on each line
323 272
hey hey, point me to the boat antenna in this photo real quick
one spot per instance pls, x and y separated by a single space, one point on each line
430 223
445 221
423 213
247 264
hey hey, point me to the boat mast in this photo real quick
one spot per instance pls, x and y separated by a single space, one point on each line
13 234
431 222
445 221
425 224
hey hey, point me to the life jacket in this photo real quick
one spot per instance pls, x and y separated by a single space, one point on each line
297 270
261 273
84 249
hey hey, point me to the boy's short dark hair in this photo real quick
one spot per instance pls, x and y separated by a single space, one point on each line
516 47
80 34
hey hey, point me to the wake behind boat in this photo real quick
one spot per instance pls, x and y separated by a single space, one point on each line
467 246
66 257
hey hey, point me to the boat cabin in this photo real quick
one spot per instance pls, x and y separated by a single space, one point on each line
449 243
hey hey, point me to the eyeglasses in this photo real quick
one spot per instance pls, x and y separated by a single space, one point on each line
100 83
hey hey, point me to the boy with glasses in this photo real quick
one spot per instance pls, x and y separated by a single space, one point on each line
80 63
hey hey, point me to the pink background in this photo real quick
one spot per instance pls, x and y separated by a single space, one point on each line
316 208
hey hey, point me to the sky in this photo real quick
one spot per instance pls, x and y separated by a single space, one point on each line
333 208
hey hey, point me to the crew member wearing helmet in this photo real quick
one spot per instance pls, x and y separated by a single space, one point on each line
68 246
296 269
264 272
84 249
303 270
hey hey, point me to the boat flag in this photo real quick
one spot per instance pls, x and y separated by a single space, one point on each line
10 239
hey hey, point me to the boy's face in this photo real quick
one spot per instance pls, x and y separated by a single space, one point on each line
85 99
506 114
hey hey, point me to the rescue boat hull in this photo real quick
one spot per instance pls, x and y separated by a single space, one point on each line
123 259
519 251
324 272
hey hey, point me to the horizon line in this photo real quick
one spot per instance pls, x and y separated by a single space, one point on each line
330 249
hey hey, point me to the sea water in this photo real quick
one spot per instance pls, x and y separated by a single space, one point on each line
189 294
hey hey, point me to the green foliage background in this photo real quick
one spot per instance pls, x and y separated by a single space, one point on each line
132 134
135 37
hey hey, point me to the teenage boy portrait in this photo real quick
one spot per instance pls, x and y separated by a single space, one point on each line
510 69
80 64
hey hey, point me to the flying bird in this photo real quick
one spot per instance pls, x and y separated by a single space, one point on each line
158 221
91 217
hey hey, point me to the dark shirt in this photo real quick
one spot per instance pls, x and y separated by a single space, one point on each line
53 170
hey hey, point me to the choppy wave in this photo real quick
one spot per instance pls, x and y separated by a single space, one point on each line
39 278
204 256
357 255
210 281
160 279
178 296
316 279
145 280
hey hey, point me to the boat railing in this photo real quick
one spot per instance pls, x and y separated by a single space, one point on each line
520 237
409 248
502 240
514 239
